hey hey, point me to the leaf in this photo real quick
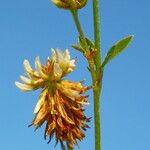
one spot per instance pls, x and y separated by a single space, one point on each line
80 41
117 48
90 43
77 48
80 46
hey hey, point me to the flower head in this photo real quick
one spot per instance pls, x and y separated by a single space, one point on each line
70 4
56 68
61 102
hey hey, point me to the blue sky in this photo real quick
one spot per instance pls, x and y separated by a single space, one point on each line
30 28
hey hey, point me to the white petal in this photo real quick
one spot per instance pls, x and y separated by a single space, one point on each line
36 74
27 66
60 56
72 63
69 70
26 80
24 87
57 70
40 101
67 54
53 55
39 68
29 71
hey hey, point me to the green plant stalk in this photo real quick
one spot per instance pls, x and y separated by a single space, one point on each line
96 81
97 90
79 28
96 21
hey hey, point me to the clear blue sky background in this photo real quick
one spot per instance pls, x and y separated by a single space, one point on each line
30 28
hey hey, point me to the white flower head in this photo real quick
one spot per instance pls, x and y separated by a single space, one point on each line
57 67
63 59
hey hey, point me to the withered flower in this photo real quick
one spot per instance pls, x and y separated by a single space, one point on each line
61 102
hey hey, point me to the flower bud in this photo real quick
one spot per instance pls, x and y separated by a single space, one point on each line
70 4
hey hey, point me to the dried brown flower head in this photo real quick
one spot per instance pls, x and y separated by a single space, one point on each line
61 102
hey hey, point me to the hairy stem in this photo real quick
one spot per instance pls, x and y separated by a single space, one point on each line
96 22
97 90
96 93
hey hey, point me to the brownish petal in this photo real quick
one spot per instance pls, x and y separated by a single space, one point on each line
64 116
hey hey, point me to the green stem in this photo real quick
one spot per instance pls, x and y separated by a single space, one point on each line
79 28
96 22
97 86
97 90
95 74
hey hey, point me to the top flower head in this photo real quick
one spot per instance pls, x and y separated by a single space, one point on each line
56 68
70 4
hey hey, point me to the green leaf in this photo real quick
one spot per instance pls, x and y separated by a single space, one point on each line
80 42
117 48
90 43
77 48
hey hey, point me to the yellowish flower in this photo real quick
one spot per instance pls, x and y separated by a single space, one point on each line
70 4
61 101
